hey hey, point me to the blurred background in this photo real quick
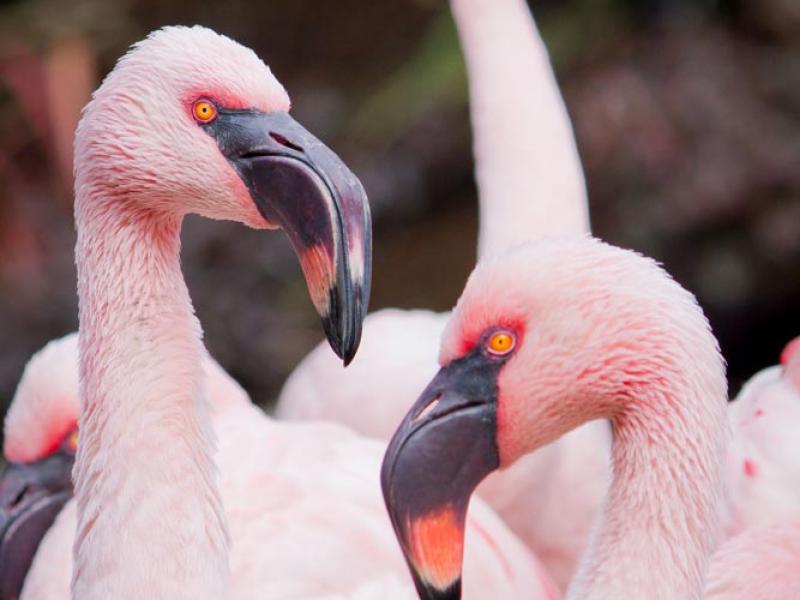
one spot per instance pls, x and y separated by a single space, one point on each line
687 115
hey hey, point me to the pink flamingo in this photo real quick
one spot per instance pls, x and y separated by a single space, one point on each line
39 445
187 122
763 466
531 185
543 339
165 134
762 558
548 337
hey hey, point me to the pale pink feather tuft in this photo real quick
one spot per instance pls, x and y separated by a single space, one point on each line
45 406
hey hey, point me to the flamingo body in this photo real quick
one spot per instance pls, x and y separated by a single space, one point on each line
761 563
397 356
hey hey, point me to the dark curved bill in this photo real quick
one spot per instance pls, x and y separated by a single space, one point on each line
299 184
31 496
442 450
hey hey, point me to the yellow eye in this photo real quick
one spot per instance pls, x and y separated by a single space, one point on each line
72 440
204 111
501 343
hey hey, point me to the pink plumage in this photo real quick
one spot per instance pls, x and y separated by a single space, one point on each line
45 406
759 564
763 464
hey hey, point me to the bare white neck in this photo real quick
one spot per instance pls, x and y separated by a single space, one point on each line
659 523
528 171
150 518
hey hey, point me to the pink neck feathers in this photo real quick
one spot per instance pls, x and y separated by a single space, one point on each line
529 176
150 520
659 524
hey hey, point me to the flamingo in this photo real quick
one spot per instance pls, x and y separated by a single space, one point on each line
39 444
544 338
190 121
187 122
763 464
531 185
762 513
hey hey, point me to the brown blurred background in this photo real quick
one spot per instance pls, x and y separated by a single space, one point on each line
687 115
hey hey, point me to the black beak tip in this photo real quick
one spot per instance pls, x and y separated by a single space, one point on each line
343 326
349 356
343 344
428 592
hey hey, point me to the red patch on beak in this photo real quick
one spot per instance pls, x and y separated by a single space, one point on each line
316 264
437 546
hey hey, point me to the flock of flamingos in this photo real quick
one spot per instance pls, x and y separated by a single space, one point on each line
575 386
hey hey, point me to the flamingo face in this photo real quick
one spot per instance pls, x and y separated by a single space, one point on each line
543 339
189 121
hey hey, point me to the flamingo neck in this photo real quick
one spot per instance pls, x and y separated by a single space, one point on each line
660 519
150 518
528 171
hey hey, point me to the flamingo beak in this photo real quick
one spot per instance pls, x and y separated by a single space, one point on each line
442 450
31 495
303 187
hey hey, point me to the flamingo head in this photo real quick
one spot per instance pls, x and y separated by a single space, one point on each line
190 121
543 339
40 443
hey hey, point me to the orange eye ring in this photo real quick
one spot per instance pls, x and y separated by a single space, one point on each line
72 440
204 111
501 343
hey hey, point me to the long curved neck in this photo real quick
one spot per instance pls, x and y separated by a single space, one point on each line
659 523
150 519
528 171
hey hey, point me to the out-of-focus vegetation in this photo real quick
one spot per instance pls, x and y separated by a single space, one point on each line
687 116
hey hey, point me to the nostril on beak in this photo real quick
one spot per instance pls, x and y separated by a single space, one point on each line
426 410
284 142
19 496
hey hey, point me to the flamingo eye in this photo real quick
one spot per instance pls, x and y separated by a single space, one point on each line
204 111
501 343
